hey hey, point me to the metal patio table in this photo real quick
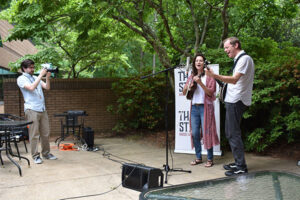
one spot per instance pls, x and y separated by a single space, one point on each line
6 128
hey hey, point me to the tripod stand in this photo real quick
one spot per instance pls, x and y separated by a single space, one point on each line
166 166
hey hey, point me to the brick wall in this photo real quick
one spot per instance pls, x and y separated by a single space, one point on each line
91 95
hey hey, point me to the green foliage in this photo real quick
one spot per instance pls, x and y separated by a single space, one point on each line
47 55
75 32
139 103
274 114
117 38
265 18
255 139
4 3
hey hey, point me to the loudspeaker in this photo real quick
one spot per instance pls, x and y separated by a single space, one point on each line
88 136
140 177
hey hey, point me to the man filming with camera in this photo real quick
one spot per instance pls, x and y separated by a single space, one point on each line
35 110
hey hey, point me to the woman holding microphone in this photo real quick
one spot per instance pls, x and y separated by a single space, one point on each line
200 89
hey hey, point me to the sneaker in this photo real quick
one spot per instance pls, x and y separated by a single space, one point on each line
230 166
38 160
236 172
50 157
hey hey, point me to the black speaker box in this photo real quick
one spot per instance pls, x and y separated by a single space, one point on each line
140 177
88 136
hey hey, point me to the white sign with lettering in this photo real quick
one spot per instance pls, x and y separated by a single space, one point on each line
183 139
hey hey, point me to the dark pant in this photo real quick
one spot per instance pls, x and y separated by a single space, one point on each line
234 113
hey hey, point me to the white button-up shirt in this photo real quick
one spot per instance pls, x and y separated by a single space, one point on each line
242 90
33 100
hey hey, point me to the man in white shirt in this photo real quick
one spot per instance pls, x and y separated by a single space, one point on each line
238 98
35 110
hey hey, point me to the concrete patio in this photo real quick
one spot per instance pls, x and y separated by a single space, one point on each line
93 175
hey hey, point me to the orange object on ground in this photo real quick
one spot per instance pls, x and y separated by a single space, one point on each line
67 147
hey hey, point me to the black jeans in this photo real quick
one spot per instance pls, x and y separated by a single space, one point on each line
234 113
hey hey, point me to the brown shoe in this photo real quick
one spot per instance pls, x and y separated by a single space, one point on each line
209 163
196 162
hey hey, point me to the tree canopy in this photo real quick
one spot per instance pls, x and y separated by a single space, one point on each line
117 38
85 37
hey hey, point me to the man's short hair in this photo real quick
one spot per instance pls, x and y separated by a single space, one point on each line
26 63
233 41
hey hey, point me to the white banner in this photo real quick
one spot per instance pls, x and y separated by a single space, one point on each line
183 139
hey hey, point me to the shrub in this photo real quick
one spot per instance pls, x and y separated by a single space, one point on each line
274 115
139 103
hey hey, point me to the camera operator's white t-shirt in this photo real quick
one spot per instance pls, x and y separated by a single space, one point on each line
242 90
33 100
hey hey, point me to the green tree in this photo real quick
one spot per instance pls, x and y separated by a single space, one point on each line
92 35
3 3
274 115
72 35
118 37
263 18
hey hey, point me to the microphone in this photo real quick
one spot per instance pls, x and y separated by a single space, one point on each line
187 65
206 63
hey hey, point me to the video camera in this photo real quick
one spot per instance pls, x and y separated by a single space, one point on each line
49 68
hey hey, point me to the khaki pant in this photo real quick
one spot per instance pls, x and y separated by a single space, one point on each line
39 129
